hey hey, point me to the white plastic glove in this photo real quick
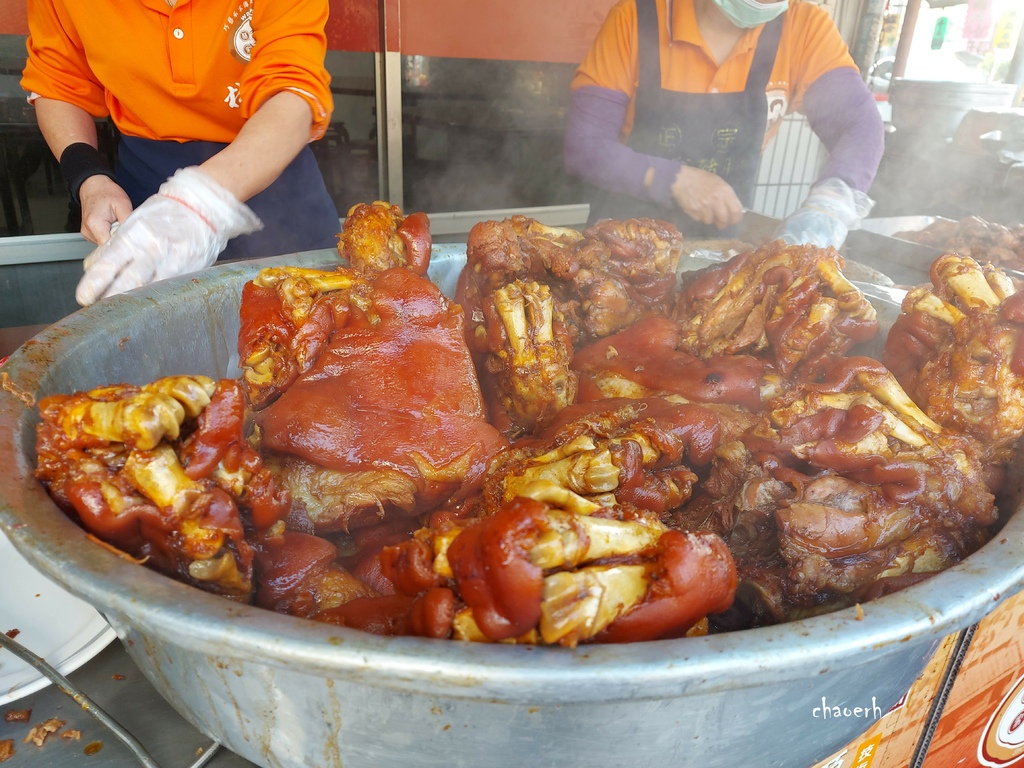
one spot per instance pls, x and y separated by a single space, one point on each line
830 211
180 229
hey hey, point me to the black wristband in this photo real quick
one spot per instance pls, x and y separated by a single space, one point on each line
80 161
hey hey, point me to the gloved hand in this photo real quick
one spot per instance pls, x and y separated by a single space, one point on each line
180 229
830 211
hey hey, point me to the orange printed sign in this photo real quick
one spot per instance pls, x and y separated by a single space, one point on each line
1002 742
866 752
982 724
892 741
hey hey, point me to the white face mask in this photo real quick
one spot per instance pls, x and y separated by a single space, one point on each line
750 13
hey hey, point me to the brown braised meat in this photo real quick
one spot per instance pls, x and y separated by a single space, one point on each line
975 238
289 314
956 348
164 473
602 280
856 487
528 357
648 358
788 303
518 248
389 420
565 542
366 398
287 317
665 446
535 292
637 453
377 237
626 271
550 572
298 574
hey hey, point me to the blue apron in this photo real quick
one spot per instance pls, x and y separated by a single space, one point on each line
296 210
721 133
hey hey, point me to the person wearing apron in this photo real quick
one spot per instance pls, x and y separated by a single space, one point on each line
672 126
215 103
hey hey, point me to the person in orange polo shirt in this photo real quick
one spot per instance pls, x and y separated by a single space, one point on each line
675 101
215 102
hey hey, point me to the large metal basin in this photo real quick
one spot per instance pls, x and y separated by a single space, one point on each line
286 692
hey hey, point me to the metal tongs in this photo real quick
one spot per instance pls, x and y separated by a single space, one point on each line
92 708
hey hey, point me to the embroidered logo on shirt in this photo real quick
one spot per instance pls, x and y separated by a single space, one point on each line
234 97
724 137
1002 743
670 137
719 166
238 25
778 101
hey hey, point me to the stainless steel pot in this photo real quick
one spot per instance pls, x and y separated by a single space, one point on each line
286 692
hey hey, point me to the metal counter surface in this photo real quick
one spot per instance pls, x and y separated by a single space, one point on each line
116 685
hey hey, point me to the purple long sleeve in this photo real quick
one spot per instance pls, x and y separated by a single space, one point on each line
593 151
838 106
843 113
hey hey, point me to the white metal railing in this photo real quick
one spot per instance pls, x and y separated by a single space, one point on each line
788 168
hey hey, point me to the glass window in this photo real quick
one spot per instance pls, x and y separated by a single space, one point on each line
959 43
484 134
347 154
32 193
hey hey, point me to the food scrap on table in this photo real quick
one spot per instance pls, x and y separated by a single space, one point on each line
40 733
26 397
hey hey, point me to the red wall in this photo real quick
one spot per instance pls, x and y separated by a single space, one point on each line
520 30
514 30
13 18
353 26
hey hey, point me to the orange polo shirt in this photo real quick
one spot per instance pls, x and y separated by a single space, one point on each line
810 46
196 71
